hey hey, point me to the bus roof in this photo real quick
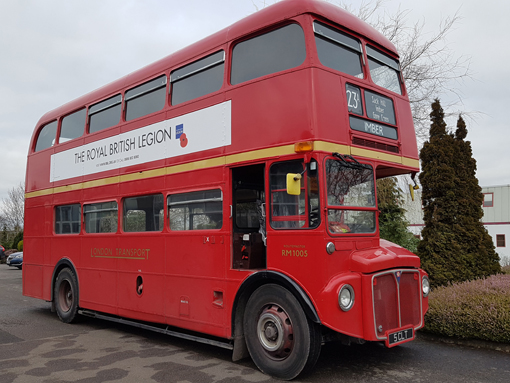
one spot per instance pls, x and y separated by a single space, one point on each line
282 10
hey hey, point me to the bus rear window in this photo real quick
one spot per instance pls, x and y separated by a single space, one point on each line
271 52
73 126
46 138
384 70
198 78
146 98
105 114
338 51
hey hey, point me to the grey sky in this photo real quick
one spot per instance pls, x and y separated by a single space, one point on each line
54 51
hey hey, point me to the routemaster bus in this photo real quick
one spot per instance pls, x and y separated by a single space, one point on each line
227 192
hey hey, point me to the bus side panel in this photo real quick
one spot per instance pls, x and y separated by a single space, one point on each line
38 168
97 274
406 129
299 254
331 108
140 280
33 281
272 112
33 246
195 281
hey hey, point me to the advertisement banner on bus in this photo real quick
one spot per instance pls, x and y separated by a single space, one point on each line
203 129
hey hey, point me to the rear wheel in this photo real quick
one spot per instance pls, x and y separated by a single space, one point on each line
66 295
281 340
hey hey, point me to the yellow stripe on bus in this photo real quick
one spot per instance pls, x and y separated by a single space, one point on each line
226 160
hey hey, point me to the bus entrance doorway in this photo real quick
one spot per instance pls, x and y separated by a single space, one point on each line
248 217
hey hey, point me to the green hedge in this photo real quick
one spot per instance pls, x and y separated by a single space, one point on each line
478 309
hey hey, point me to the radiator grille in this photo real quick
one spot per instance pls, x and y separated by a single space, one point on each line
375 145
397 300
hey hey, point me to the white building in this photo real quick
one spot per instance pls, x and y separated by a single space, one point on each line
496 216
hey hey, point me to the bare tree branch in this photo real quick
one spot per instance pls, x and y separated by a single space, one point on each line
429 66
13 208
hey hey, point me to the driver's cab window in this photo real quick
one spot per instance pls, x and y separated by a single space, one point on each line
294 211
351 196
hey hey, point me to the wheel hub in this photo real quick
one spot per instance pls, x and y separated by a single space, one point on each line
275 332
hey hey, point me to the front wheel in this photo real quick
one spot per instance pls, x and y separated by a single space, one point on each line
66 295
281 340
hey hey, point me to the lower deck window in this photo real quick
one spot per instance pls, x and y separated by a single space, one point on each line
101 217
68 219
201 210
144 213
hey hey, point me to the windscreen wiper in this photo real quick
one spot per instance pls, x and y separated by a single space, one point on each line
350 162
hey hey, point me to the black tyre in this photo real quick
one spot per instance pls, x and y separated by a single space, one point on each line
281 340
66 295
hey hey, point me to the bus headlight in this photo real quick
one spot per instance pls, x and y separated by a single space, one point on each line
346 297
425 286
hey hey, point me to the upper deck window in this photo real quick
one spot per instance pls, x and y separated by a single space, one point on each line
146 98
197 79
272 52
384 70
47 136
73 126
105 114
337 50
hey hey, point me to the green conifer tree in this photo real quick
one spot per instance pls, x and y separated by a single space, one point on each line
454 246
439 252
474 239
392 222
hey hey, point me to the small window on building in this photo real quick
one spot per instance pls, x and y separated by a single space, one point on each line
47 135
101 217
146 98
143 213
105 114
198 78
337 50
488 199
73 126
272 52
201 210
68 219
500 240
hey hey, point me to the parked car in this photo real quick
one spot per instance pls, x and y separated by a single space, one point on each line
15 260
2 254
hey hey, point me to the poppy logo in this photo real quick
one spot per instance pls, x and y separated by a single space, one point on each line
184 140
181 136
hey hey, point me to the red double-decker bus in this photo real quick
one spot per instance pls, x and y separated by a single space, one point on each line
228 190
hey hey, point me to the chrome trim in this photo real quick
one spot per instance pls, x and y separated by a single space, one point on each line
201 69
353 297
91 113
146 91
392 272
